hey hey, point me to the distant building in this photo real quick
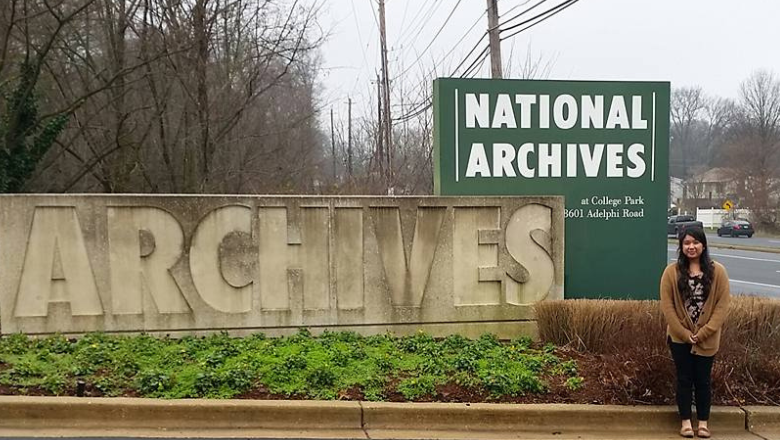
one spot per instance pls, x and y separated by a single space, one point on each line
709 188
714 183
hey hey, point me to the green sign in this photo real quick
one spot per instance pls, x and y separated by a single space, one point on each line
602 145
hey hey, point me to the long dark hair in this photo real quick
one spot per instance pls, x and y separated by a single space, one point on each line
707 267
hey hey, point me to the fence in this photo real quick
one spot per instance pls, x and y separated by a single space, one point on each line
713 218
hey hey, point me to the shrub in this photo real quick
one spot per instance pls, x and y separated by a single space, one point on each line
601 326
614 326
630 339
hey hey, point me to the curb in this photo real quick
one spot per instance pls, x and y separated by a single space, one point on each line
738 247
561 418
98 416
763 421
138 417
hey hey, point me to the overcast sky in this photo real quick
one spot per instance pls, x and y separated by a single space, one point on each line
712 43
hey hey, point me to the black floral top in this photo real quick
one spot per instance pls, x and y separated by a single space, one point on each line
695 302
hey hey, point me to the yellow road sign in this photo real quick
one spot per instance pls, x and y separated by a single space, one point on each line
728 205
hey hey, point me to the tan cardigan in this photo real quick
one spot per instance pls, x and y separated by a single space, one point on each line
716 309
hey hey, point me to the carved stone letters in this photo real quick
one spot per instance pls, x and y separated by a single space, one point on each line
209 263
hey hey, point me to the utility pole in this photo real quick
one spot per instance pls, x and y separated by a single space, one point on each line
495 39
349 138
380 152
388 129
333 145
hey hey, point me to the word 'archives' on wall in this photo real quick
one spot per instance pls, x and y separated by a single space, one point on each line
146 263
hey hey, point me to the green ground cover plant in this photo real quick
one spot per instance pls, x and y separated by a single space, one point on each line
330 366
590 351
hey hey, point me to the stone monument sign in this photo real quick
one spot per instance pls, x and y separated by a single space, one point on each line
194 264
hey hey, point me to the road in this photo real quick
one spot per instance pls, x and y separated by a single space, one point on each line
752 241
750 272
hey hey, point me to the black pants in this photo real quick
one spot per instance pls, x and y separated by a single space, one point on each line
693 372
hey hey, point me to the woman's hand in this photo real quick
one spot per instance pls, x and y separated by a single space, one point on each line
693 339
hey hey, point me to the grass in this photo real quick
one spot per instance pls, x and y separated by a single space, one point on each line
299 366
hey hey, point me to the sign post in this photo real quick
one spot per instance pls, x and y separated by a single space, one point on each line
602 145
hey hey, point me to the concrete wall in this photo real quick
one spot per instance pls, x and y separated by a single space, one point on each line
193 264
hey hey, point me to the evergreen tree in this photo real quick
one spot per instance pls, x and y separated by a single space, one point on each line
24 138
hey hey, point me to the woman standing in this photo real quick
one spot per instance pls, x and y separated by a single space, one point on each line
695 302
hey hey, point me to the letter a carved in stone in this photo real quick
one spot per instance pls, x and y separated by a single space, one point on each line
56 266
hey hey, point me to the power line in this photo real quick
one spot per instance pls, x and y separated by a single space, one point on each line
509 11
411 36
479 61
403 19
421 13
422 107
455 46
469 54
376 19
546 15
481 57
505 22
482 37
447 20
360 40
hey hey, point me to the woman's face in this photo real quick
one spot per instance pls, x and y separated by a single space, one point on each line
692 248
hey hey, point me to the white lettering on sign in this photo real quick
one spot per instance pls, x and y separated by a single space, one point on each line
638 167
550 159
504 117
606 207
478 162
526 103
590 111
618 115
523 161
565 112
593 111
502 166
547 160
477 110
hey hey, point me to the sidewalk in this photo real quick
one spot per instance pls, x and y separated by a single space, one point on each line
123 417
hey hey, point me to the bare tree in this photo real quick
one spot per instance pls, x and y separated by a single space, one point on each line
754 150
530 66
185 96
687 108
698 125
